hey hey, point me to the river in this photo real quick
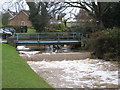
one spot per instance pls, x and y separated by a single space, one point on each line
69 70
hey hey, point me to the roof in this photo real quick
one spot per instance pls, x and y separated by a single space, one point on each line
12 13
24 11
53 20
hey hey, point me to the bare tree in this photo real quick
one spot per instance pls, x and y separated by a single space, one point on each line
14 6
95 9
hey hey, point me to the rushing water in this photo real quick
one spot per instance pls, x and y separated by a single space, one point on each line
79 73
88 73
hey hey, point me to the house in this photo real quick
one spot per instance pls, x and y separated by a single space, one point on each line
57 19
20 19
83 17
71 23
54 21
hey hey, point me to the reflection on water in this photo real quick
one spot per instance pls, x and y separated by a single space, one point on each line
57 48
46 49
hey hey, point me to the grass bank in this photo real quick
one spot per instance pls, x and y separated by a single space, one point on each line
31 30
16 73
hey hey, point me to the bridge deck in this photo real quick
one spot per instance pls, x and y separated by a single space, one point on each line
47 42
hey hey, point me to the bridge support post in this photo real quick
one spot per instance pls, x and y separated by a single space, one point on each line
58 37
17 36
38 37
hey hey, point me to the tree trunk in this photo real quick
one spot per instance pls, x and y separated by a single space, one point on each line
100 25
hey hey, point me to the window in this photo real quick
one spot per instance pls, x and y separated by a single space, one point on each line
22 23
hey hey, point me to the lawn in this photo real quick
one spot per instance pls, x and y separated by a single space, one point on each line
31 30
17 73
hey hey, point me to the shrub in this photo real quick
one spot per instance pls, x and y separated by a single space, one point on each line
105 44
11 41
82 29
31 30
57 27
20 29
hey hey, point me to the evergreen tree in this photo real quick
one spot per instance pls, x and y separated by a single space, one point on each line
38 15
5 18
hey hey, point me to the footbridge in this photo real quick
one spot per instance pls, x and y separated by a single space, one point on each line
48 38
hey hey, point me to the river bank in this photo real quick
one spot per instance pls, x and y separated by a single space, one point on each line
16 73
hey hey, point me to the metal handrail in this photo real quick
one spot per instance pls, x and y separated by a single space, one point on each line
50 35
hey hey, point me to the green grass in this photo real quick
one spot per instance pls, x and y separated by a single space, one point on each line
0 66
31 30
17 73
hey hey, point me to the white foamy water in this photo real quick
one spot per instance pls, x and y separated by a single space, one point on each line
29 53
22 48
88 73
